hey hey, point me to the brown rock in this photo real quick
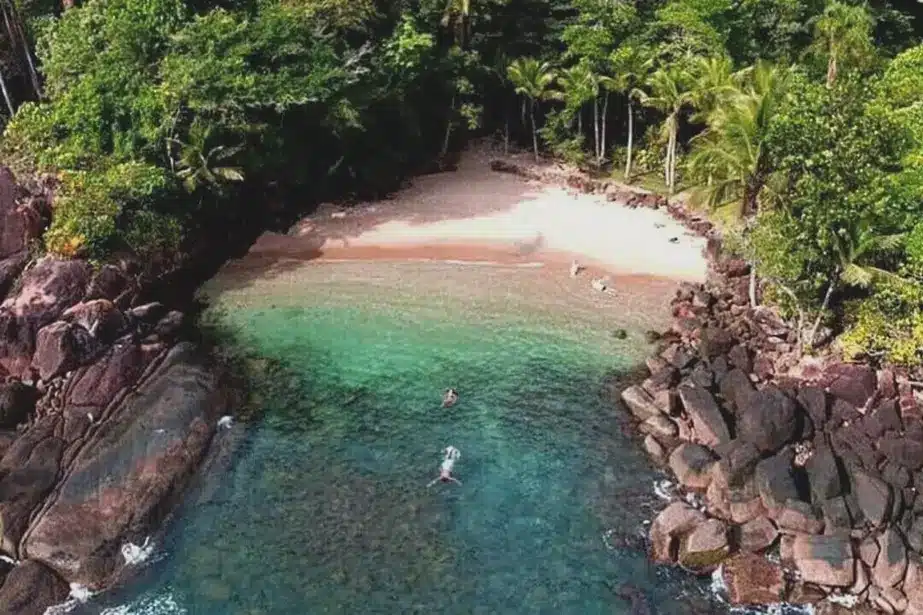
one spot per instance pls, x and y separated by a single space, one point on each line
673 522
108 283
891 564
868 551
710 427
705 547
768 419
893 600
874 496
654 448
753 580
825 560
60 348
798 516
757 535
692 465
100 317
913 586
47 289
854 383
639 403
17 402
21 221
30 588
659 425
147 449
776 482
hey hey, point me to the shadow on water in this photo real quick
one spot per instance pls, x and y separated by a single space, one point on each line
323 508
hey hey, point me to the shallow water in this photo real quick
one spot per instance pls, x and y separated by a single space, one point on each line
326 509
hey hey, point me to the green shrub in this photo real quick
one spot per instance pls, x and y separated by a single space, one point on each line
888 325
92 207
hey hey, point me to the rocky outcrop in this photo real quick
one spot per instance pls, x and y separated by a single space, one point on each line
823 458
104 413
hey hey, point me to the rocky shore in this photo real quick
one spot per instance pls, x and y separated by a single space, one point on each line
105 412
798 478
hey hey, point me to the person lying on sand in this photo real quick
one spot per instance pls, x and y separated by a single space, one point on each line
449 399
575 268
448 464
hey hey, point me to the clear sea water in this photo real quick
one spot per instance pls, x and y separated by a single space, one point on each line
325 509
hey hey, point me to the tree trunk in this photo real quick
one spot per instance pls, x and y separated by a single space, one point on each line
534 131
602 144
448 128
666 162
579 122
831 70
671 157
751 291
27 54
6 96
596 131
823 308
630 141
506 133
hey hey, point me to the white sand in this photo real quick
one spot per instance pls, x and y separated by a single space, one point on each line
475 213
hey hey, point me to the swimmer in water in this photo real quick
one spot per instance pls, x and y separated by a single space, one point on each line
448 464
449 399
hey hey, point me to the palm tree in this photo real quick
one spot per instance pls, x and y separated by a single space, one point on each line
856 248
715 84
630 65
532 79
457 16
669 94
578 86
730 156
843 33
196 166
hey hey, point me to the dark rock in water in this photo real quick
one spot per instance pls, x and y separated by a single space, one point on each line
47 289
768 419
30 588
17 402
824 472
620 334
736 388
710 426
60 348
636 597
147 449
875 497
852 383
715 341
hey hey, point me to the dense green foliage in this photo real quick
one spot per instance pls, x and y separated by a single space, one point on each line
802 118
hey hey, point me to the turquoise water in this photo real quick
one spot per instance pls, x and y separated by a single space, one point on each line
326 508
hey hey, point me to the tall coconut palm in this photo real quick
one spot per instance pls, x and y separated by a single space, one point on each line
843 34
457 17
715 83
578 86
631 65
532 79
669 93
730 156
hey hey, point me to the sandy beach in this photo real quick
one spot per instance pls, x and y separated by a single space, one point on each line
476 214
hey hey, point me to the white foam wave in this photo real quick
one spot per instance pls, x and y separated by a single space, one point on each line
135 555
164 604
665 490
78 595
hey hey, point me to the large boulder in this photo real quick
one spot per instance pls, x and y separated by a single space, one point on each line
639 403
21 220
100 317
47 289
674 522
753 580
913 586
692 464
705 547
757 535
736 388
891 564
776 482
61 347
714 342
851 382
874 496
824 474
147 449
768 419
30 589
825 560
710 427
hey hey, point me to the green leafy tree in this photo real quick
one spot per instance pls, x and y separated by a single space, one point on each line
843 35
631 65
201 166
532 79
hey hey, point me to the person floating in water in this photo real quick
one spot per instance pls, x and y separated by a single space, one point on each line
452 455
449 399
